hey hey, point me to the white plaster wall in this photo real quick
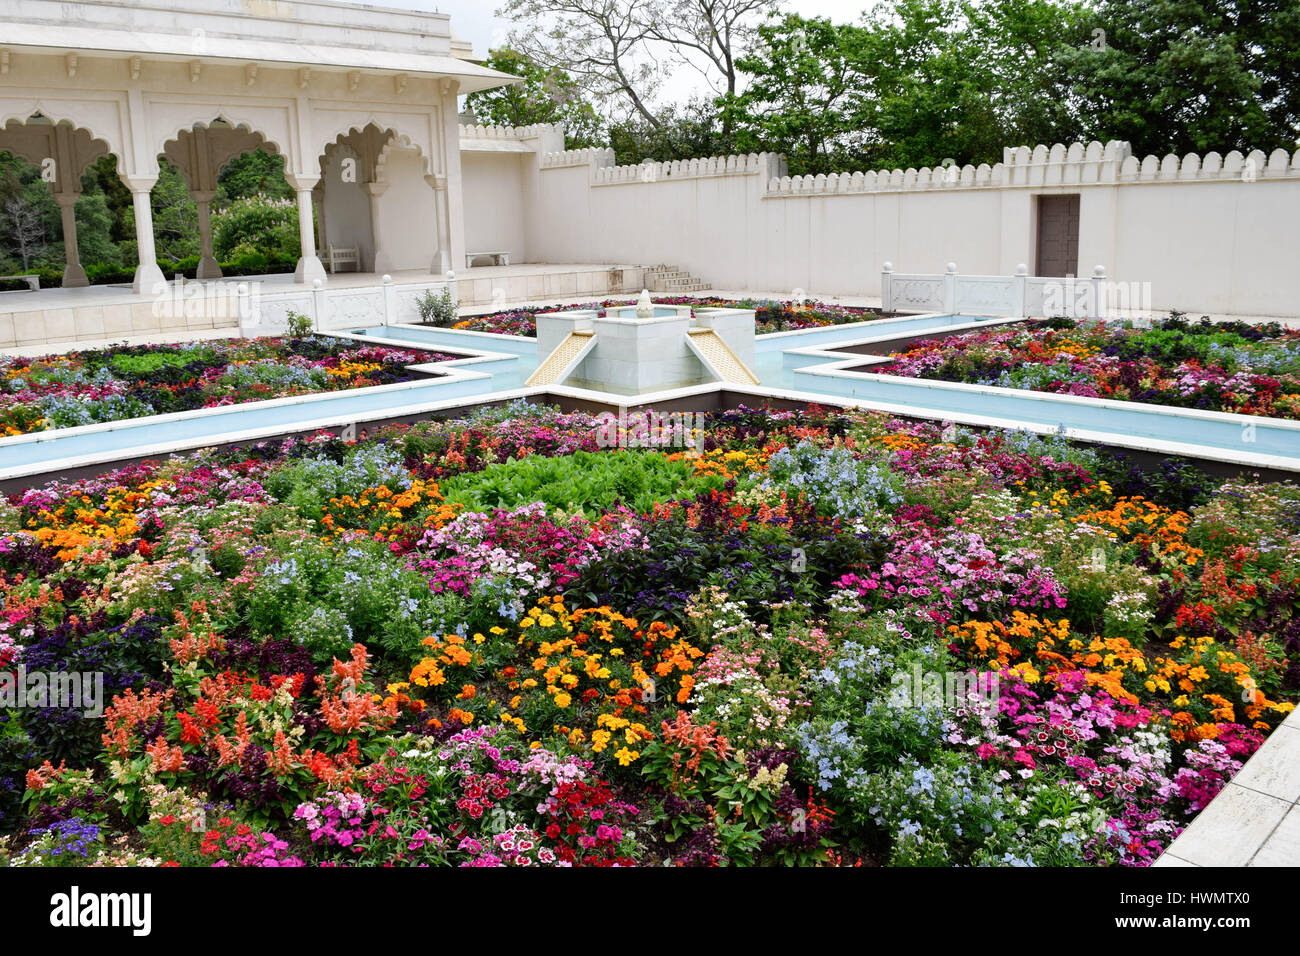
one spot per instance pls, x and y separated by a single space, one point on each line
495 207
1205 242
347 208
407 214
1215 247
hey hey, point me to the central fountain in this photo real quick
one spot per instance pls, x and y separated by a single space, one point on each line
642 347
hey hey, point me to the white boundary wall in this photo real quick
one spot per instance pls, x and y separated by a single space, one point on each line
1211 234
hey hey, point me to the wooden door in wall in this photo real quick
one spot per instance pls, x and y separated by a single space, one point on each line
1058 236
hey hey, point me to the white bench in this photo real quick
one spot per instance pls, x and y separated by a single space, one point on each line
33 282
336 256
498 258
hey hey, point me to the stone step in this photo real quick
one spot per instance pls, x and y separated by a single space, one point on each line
666 278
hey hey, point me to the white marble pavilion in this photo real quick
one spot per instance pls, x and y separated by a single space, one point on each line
361 102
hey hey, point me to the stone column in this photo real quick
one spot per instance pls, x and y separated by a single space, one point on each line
442 263
382 261
208 266
309 264
451 206
318 201
73 275
147 274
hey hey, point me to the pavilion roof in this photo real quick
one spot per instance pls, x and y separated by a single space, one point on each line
321 34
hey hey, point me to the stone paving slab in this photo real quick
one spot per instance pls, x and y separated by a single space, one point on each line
1255 820
1283 847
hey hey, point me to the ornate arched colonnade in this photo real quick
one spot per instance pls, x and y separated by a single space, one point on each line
361 103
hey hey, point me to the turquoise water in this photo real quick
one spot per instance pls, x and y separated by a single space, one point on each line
506 373
775 364
776 367
429 336
1253 435
215 425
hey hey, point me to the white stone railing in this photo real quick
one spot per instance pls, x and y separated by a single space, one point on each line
578 157
766 164
536 131
1058 165
1017 296
605 173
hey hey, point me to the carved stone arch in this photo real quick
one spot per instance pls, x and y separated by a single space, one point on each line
64 151
204 149
171 120
368 144
72 148
100 118
402 141
404 131
200 153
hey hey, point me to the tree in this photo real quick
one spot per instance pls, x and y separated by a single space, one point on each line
24 230
958 80
1182 75
256 230
615 48
94 229
710 36
255 173
102 177
601 43
915 83
684 132
716 30
808 91
547 95
175 217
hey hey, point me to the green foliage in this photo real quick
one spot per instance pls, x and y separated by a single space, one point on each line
546 95
684 131
257 173
440 309
916 83
1182 75
256 226
299 324
581 481
326 598
808 87
175 217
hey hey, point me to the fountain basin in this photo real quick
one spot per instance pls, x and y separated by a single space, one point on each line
628 355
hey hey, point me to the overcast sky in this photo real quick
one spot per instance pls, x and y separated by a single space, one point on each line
475 21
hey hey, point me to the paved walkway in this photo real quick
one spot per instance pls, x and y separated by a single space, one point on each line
1255 819
191 335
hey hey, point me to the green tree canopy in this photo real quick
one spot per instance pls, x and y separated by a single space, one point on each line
255 173
546 95
808 93
1182 75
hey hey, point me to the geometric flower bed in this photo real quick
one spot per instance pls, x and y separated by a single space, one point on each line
119 382
829 638
769 315
1227 367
